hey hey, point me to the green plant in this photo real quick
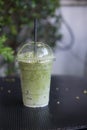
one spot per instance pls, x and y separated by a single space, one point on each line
14 15
5 51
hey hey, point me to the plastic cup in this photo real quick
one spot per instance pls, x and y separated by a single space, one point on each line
35 63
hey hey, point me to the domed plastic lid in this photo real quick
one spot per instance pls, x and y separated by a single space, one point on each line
31 52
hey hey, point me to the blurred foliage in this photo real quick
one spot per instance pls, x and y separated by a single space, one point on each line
25 9
5 51
15 15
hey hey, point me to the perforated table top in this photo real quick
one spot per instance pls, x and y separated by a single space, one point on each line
67 109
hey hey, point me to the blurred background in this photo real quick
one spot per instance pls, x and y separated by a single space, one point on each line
74 60
62 24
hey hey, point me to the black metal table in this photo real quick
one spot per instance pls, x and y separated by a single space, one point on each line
67 108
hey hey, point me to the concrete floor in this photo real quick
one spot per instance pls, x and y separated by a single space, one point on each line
72 62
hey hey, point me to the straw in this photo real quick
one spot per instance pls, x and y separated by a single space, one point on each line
35 34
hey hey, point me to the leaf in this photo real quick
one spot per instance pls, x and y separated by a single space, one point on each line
6 52
13 29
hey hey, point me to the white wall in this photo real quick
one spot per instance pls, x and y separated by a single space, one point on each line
71 62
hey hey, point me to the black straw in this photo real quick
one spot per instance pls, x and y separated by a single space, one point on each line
35 30
35 33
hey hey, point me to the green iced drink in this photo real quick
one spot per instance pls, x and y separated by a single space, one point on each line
35 78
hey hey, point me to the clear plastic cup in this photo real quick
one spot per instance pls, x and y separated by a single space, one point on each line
35 63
